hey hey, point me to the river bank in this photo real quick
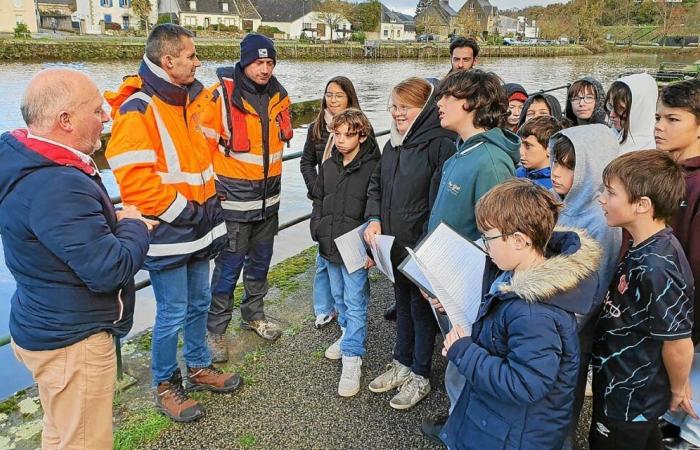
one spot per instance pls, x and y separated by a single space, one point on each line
112 49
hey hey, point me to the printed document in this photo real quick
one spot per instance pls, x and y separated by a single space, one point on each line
381 253
352 248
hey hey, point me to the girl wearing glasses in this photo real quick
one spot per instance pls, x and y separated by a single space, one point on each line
338 96
585 102
631 103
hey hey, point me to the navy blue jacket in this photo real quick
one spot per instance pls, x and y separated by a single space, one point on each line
74 264
522 359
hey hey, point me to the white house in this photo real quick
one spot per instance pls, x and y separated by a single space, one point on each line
13 12
204 13
396 26
94 15
294 17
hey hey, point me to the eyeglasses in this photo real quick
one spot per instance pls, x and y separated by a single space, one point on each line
401 110
331 96
587 99
486 239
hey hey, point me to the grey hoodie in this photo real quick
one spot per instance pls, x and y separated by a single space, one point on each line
595 147
642 115
599 115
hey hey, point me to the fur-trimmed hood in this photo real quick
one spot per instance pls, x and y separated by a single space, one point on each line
572 262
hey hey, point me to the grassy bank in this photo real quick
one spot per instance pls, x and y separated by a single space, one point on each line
111 49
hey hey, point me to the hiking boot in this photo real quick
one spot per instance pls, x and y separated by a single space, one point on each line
172 400
390 312
212 379
349 384
413 390
265 329
432 427
333 351
396 373
218 347
324 319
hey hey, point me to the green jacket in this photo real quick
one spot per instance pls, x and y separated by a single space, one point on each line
481 162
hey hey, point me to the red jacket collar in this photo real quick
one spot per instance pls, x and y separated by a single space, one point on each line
59 155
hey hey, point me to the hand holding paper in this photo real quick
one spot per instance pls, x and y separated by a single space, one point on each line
453 336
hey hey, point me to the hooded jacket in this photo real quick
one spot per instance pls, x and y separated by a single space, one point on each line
312 157
163 165
599 114
406 180
521 361
481 162
552 103
340 197
595 147
542 176
512 88
686 227
642 114
73 262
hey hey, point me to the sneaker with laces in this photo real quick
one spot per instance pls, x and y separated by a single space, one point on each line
212 379
413 390
172 400
396 373
324 319
265 329
218 347
333 351
349 384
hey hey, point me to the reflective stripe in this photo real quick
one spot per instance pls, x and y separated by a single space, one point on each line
171 158
184 248
249 206
175 209
210 133
191 178
132 157
250 158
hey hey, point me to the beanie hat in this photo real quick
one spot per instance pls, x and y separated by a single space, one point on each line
515 92
255 46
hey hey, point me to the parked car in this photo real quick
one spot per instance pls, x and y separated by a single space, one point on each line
426 38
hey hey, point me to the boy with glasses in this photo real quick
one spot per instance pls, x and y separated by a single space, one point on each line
586 102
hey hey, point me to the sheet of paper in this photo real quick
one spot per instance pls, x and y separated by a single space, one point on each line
351 246
381 253
413 272
454 266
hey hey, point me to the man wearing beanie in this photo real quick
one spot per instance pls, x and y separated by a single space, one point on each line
247 124
517 95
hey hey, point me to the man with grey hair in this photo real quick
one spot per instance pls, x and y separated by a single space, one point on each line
163 165
72 255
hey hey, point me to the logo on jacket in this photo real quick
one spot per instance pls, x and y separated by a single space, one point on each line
602 429
262 53
454 188
622 284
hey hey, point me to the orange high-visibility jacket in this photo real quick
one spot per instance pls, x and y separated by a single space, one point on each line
163 165
249 176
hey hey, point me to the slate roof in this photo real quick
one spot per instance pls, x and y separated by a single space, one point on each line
284 10
235 7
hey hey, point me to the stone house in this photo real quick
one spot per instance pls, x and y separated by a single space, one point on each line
439 19
296 17
13 12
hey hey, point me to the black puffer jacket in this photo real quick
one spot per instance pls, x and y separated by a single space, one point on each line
312 156
340 197
406 181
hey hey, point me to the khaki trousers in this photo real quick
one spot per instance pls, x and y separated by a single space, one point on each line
76 387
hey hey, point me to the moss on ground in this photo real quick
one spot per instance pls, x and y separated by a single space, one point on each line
140 428
11 404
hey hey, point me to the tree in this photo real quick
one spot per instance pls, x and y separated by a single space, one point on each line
365 16
142 9
422 4
332 13
246 11
427 23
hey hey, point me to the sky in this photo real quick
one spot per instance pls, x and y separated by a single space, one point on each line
409 6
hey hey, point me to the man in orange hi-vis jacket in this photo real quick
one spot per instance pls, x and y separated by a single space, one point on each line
247 124
163 166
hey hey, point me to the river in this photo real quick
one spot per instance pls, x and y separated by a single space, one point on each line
305 80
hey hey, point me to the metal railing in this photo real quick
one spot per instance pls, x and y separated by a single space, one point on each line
4 340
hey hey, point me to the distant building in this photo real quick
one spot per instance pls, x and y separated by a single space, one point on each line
439 19
507 25
241 14
13 12
57 14
94 16
294 17
485 14
396 26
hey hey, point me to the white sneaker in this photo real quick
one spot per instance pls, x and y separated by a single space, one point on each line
324 319
396 373
413 390
333 351
349 384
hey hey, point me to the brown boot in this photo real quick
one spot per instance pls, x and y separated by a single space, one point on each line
212 379
172 400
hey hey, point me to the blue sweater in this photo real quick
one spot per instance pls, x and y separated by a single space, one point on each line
74 264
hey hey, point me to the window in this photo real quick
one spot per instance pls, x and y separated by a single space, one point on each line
306 26
19 19
18 5
398 33
193 5
189 20
224 7
125 22
124 3
229 22
108 18
106 4
386 32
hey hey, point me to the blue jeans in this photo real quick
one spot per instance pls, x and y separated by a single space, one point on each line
323 299
351 294
182 302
